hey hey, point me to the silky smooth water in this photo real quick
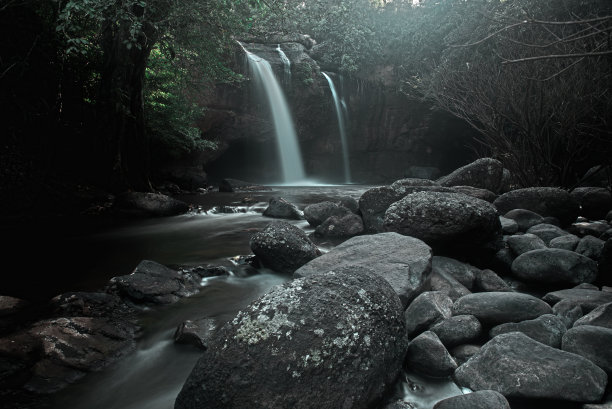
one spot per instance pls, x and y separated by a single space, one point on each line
340 109
286 137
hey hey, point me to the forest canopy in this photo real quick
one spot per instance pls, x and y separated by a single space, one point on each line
106 82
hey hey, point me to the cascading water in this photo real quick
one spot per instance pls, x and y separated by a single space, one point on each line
286 64
286 137
341 128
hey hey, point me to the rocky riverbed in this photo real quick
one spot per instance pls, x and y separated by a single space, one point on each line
506 293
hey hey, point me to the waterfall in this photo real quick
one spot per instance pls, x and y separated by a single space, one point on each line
341 128
286 64
286 137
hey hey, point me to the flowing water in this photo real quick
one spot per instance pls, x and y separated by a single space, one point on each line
340 108
286 137
286 65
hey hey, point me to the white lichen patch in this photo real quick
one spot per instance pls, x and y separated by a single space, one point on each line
261 328
319 332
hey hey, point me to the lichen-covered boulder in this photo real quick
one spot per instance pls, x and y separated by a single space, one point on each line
405 262
554 266
283 247
519 367
484 173
334 340
443 219
545 201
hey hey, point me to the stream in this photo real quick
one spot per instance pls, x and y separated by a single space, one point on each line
84 258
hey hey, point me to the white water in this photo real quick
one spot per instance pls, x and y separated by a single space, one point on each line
286 64
341 128
286 137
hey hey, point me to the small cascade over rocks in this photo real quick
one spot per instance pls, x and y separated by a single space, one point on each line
286 65
341 109
286 137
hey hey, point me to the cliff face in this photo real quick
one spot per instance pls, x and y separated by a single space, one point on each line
387 133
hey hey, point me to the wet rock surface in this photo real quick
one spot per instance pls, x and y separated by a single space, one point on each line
500 307
282 350
485 399
554 266
405 262
280 208
547 329
144 204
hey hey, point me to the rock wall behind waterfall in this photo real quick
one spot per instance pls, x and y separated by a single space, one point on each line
387 132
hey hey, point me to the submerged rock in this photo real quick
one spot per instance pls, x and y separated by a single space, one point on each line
332 340
283 247
517 366
405 262
142 204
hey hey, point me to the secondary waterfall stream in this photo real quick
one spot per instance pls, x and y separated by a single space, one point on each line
286 137
341 128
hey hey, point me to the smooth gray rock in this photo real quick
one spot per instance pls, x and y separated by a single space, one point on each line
522 243
443 219
317 213
405 262
498 307
448 285
554 266
517 366
524 218
280 208
568 311
284 348
547 329
489 281
457 330
547 232
592 342
484 173
486 399
425 310
545 201
509 226
412 182
196 333
596 229
567 242
590 247
588 300
345 226
600 317
462 272
428 356
283 247
462 353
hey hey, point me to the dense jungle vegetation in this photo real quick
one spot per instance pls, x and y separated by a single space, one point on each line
95 89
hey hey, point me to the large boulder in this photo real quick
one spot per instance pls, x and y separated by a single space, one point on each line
484 173
143 204
545 201
405 262
334 340
283 247
592 342
500 307
482 194
444 219
519 367
554 266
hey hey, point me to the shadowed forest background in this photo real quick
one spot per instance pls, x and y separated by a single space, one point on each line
106 93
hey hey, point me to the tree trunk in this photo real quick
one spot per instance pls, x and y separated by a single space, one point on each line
123 144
